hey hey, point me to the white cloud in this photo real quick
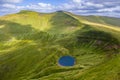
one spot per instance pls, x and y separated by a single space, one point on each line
20 7
77 1
79 11
111 14
11 8
66 6
73 4
4 10
117 8
11 1
90 4
8 6
42 7
79 6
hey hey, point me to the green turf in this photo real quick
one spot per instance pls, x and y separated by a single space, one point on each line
31 44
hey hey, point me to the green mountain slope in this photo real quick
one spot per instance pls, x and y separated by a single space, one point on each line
31 44
109 70
111 21
58 22
104 20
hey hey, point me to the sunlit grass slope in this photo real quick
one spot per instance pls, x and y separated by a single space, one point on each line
31 44
109 70
34 19
111 21
58 22
103 20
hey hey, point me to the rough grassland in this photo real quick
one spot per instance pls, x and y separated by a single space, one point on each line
31 44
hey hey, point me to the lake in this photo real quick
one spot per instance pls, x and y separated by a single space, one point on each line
66 61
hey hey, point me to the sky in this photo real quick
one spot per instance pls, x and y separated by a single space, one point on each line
81 7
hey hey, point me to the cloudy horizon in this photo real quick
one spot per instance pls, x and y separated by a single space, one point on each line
81 7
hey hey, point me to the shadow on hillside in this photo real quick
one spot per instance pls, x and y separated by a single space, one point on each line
99 38
60 21
12 29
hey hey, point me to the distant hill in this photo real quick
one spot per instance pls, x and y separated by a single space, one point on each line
103 20
31 44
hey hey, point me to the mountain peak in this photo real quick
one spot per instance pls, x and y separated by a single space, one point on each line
26 11
60 11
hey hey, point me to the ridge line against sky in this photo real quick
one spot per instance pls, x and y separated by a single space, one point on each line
82 7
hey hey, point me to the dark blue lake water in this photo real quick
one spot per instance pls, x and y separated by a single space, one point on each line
67 61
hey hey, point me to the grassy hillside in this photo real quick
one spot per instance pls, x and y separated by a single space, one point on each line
31 44
109 70
57 22
111 21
